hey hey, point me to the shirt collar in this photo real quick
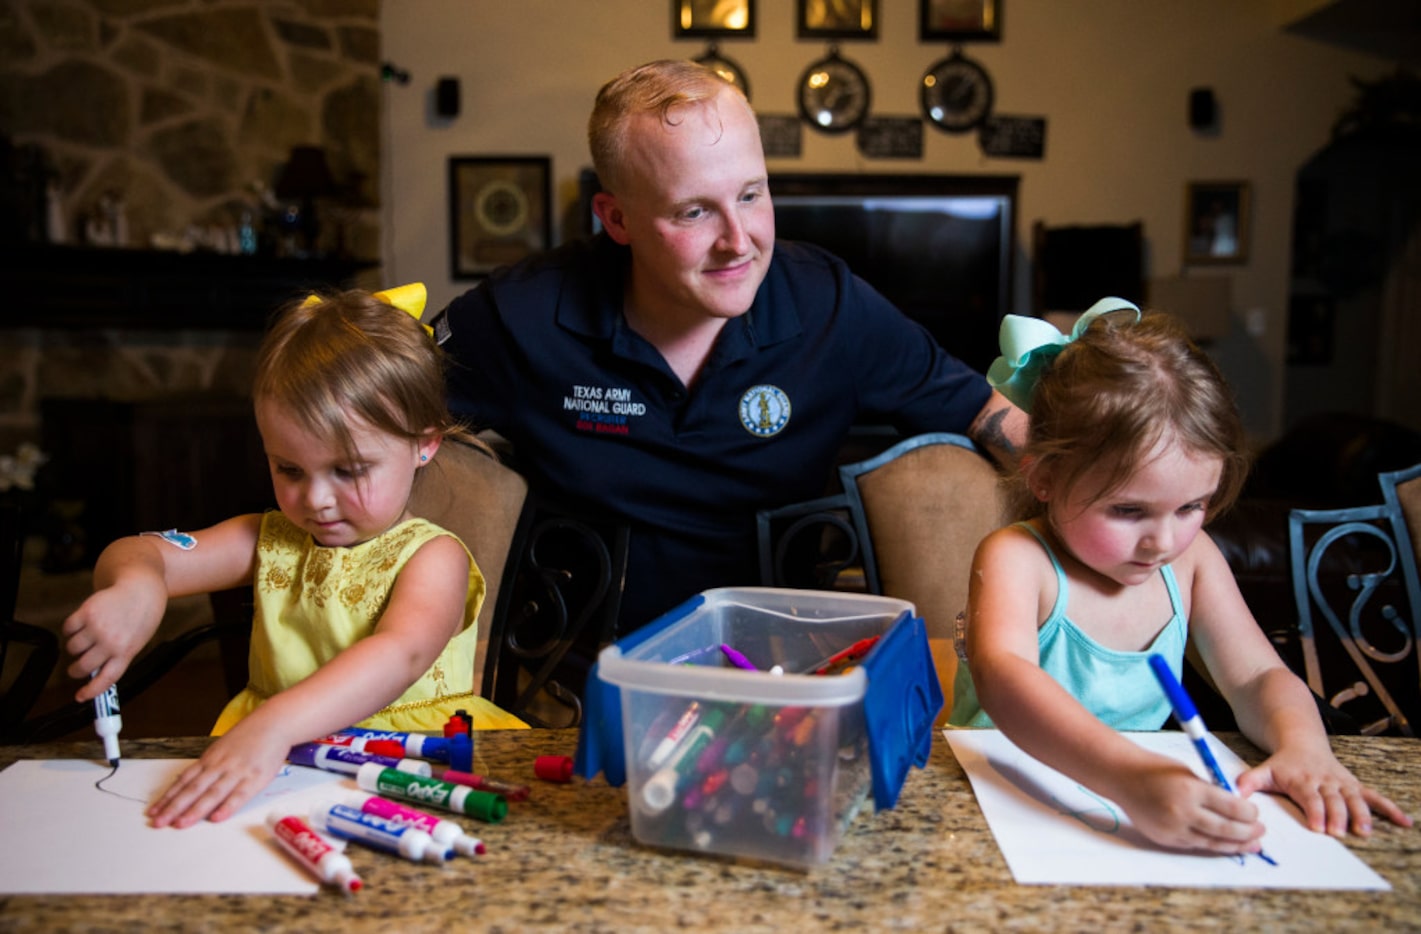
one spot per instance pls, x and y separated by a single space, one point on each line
592 305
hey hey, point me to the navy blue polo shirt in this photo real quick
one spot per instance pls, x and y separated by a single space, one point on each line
600 424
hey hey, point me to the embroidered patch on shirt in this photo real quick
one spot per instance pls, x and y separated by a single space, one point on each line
442 330
764 410
607 410
173 537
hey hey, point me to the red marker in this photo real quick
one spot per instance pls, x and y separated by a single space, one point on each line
852 654
322 860
483 783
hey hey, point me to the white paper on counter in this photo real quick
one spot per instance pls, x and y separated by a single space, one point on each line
63 835
1053 831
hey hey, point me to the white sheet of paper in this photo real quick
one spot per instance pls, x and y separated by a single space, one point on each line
63 835
1053 831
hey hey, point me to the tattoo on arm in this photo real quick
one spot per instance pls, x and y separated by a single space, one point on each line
990 431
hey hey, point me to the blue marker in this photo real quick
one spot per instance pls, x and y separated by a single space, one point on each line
400 838
1193 726
416 744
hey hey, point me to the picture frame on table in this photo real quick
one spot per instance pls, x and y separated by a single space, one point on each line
960 20
500 211
837 19
713 19
1216 222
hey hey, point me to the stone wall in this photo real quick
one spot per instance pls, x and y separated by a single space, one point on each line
182 113
187 109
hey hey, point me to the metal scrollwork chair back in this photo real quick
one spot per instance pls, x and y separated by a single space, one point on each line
812 545
1370 612
557 606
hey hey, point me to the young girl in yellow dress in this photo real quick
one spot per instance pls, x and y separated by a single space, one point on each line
364 614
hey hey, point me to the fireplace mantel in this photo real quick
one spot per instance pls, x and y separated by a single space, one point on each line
71 287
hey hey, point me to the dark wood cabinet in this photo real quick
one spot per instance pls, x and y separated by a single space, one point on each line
171 458
71 287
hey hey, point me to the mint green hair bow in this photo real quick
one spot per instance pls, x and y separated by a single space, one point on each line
1030 344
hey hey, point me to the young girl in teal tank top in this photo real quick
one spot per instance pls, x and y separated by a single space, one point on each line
1134 444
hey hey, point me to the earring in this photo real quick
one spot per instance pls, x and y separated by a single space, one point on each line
423 458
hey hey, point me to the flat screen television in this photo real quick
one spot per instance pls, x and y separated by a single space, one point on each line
940 247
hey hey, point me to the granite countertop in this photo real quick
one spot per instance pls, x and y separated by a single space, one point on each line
566 860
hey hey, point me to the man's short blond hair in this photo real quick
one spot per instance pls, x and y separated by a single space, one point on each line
658 88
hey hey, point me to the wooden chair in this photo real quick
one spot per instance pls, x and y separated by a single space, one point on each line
1364 660
911 517
468 491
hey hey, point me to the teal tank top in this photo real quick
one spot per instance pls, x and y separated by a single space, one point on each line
1118 687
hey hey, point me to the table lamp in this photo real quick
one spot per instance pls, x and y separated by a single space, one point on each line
305 178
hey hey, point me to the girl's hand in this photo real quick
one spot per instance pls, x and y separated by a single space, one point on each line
1332 799
108 629
229 774
1176 808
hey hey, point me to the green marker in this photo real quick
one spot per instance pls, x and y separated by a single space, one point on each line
419 789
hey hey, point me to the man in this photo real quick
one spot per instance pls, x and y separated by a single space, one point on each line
682 371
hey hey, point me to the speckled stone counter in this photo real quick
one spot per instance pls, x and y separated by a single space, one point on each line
566 860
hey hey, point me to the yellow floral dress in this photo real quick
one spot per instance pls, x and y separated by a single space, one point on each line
313 602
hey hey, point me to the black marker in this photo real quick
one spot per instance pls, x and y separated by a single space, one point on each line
107 722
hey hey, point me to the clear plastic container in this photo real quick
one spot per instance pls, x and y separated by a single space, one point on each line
750 763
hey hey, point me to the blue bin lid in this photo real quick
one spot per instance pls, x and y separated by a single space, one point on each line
901 701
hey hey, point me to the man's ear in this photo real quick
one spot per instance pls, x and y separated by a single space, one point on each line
609 212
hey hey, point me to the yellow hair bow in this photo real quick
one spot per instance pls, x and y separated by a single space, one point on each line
407 298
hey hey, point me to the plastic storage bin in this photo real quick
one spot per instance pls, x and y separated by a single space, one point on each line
720 759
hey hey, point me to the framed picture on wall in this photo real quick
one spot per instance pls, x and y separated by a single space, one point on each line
713 18
960 20
1216 219
838 19
499 211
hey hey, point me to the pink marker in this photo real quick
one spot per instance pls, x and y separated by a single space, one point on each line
444 832
322 860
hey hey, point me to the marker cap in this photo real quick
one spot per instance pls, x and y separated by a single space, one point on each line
348 880
484 805
469 846
553 768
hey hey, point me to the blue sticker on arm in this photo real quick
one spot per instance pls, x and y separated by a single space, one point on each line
173 537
